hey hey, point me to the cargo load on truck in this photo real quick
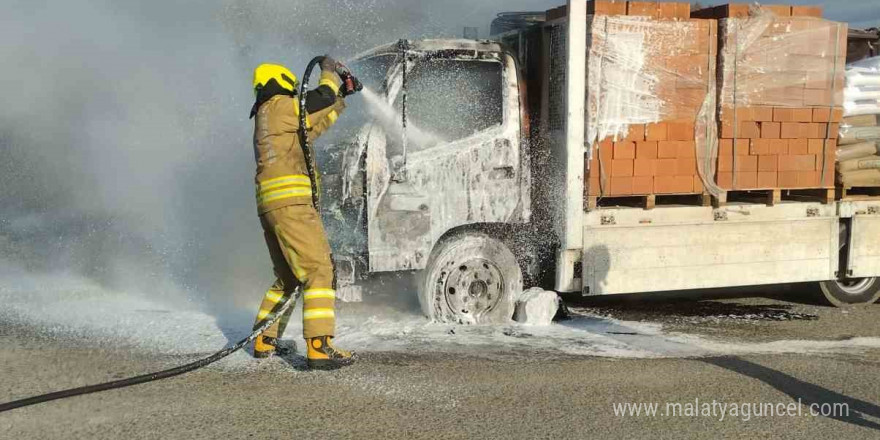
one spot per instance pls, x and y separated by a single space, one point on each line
858 166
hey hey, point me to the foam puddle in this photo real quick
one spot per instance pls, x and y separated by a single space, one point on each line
65 307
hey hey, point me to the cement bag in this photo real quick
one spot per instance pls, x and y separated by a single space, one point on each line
861 121
854 135
862 93
856 151
858 108
851 179
866 163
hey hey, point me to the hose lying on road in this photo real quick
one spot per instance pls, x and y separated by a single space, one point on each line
279 311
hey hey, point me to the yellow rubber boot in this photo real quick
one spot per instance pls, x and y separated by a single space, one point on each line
264 347
322 355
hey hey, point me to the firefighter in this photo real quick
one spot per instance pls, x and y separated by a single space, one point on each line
291 224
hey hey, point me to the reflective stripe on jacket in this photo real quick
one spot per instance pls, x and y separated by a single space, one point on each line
282 176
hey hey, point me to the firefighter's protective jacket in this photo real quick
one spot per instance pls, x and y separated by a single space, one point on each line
282 177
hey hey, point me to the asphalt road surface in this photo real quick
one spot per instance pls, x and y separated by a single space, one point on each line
781 348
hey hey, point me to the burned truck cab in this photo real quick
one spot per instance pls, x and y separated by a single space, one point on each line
434 154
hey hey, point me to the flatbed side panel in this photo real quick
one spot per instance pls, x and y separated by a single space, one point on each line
631 251
865 252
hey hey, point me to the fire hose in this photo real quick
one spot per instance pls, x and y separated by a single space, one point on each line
150 377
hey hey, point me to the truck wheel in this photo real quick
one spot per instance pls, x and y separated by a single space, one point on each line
847 293
471 279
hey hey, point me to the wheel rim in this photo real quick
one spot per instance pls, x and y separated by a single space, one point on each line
856 286
473 288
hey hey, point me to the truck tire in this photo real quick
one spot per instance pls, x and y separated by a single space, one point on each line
850 293
471 279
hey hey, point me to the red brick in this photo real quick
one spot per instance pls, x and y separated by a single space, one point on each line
805 162
805 130
635 133
667 149
827 162
801 115
725 180
665 167
621 186
779 147
625 150
666 11
643 167
798 146
767 179
768 163
727 131
817 131
646 150
806 11
822 114
831 148
680 131
684 184
770 130
790 130
760 147
837 115
786 164
725 147
778 10
683 10
593 188
643 185
746 180
783 115
685 166
606 7
763 114
816 146
643 9
746 164
808 179
742 147
622 168
744 114
834 130
606 150
748 130
664 184
687 149
725 163
788 179
656 132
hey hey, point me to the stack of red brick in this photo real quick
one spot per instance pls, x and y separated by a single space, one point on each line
773 148
780 96
657 158
666 76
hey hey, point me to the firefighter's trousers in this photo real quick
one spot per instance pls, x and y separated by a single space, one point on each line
301 257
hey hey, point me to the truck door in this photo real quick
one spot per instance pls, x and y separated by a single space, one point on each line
452 158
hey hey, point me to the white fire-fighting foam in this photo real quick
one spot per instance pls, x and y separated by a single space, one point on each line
67 307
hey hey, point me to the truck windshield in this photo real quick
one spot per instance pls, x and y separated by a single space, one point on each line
453 99
372 71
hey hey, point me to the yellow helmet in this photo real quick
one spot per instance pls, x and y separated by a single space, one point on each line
282 75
